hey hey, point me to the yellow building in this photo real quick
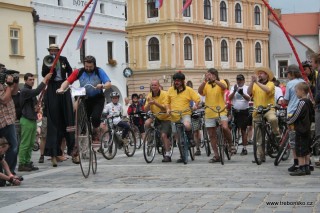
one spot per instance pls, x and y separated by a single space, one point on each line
17 36
229 35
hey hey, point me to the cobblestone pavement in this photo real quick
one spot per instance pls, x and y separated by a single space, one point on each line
131 185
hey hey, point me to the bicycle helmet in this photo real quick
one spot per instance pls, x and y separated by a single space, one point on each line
114 94
179 76
90 59
306 64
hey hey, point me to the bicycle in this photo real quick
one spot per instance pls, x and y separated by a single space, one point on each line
83 132
135 128
235 131
222 142
205 142
152 140
111 140
262 127
182 140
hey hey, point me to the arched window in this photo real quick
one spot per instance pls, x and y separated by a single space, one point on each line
239 52
257 15
207 9
238 13
187 11
224 51
153 46
127 52
223 11
208 50
258 52
152 10
187 49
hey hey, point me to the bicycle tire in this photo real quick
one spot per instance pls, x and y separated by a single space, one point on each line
186 147
83 138
255 144
108 146
192 153
235 137
149 146
94 162
180 145
206 141
130 149
282 150
137 136
171 146
221 145
36 146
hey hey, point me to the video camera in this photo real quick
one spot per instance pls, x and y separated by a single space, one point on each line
5 72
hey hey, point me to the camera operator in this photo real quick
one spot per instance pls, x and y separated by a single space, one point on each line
7 118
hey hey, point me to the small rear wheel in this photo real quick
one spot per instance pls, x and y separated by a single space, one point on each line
94 161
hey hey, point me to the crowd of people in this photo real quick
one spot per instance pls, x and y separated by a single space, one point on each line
19 109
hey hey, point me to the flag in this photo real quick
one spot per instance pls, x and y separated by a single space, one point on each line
159 4
86 26
186 5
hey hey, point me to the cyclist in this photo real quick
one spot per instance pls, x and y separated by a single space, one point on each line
213 90
137 107
240 101
156 102
179 97
94 104
115 109
262 90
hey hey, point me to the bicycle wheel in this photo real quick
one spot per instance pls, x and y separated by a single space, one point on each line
108 146
94 161
137 135
171 146
235 137
186 147
221 145
191 152
130 147
180 144
149 145
258 151
36 146
206 141
284 147
83 139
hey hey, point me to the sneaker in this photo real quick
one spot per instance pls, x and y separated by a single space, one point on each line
198 152
298 172
244 152
166 159
33 168
41 159
179 160
214 160
293 168
24 168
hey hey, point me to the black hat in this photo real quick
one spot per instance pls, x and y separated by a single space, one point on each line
134 95
240 77
179 75
292 69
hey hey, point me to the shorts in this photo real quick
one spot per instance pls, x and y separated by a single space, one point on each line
185 118
212 122
303 142
43 127
242 118
165 126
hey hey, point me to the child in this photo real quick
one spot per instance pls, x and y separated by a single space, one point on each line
4 145
301 119
137 107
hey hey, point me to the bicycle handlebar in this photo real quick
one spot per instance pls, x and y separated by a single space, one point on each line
218 108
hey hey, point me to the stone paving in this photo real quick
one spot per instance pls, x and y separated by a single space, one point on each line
131 185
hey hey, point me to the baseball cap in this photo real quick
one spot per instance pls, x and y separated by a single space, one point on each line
293 69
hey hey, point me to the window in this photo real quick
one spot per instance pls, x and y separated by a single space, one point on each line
258 52
52 40
127 52
224 51
154 50
15 41
83 50
187 49
223 11
257 15
59 2
186 12
238 13
110 49
207 9
152 10
102 8
208 50
125 12
239 51
282 66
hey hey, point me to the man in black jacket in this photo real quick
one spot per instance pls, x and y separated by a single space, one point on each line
28 120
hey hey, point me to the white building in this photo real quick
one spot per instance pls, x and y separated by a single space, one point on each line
105 38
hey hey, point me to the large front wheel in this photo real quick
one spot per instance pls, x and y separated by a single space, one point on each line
149 145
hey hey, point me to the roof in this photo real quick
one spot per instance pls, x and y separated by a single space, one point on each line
299 24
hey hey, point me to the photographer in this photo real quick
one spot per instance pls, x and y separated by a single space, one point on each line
7 118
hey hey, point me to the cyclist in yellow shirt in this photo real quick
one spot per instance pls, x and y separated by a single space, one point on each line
179 97
213 89
156 102
262 90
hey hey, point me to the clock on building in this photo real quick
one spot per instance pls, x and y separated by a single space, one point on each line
127 72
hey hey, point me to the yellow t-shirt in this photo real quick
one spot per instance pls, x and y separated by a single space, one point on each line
261 98
161 99
214 97
181 101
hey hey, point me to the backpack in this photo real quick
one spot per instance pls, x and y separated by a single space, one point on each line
82 70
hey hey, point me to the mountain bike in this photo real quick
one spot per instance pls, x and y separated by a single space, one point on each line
205 141
135 128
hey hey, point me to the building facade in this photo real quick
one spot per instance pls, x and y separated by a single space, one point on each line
229 35
17 36
105 38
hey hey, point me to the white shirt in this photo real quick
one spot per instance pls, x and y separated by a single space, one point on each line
113 110
238 101
125 110
277 94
